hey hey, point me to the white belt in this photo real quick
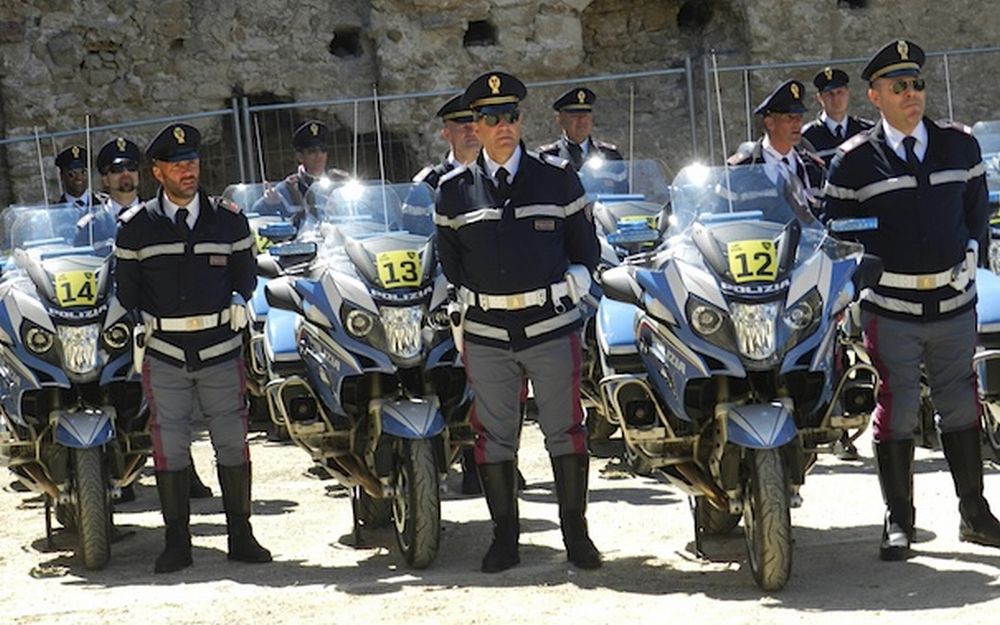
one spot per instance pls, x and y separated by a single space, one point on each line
189 324
923 281
516 301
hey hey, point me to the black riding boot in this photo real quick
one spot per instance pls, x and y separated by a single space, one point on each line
965 459
235 482
894 460
176 506
499 485
571 490
198 488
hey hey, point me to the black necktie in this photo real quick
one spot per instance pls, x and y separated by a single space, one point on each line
788 171
911 156
839 133
181 220
575 155
503 185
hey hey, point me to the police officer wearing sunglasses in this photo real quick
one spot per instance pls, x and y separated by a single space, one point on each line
922 185
516 236
575 115
118 163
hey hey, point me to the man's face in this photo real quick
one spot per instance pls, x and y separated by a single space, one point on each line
835 101
74 181
501 137
179 179
121 177
784 129
313 159
576 124
461 136
900 102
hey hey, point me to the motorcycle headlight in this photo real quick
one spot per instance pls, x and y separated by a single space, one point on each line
402 330
38 340
79 345
755 328
706 320
799 316
117 336
359 323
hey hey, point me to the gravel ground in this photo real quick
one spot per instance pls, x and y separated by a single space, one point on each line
642 526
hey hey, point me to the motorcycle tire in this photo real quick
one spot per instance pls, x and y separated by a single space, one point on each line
991 429
93 508
767 526
712 521
374 513
417 503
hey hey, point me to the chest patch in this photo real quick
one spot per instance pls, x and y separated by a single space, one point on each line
545 225
218 260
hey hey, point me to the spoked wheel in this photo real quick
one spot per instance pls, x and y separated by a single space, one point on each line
767 526
93 508
711 520
416 506
991 428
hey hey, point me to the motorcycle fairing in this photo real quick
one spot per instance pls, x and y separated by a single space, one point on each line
83 429
412 418
760 426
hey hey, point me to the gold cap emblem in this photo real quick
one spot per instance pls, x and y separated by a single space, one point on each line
904 50
794 88
313 130
120 142
581 97
828 73
179 135
76 151
494 84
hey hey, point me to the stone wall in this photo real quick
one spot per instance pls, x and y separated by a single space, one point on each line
119 61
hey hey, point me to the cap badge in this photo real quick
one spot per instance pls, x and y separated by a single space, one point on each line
828 73
795 90
179 135
904 50
120 142
313 130
494 84
581 97
76 151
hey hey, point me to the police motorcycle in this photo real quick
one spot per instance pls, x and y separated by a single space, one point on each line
381 402
631 209
71 405
988 135
728 374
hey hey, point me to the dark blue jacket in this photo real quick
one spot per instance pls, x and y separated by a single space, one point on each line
824 143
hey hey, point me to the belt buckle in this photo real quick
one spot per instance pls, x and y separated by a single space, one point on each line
515 302
925 283
193 323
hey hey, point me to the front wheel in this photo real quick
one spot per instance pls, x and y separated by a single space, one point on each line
93 508
767 526
416 506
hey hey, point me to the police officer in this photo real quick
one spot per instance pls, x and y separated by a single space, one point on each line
192 336
312 144
575 115
779 150
72 164
833 125
458 130
516 236
924 183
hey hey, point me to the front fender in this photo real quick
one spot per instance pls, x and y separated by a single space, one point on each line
83 429
411 418
760 426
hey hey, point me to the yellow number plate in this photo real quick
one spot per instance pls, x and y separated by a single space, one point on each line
399 268
76 288
752 260
638 219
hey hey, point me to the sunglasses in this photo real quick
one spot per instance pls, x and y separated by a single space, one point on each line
117 168
492 119
901 85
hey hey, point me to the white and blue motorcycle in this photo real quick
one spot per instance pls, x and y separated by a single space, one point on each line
722 359
380 402
71 407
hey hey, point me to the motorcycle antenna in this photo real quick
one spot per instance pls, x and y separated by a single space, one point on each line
41 167
381 156
260 148
90 184
722 128
631 133
355 174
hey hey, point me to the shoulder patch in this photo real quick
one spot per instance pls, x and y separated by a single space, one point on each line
740 158
86 219
853 142
555 161
125 216
606 145
548 147
954 125
452 174
221 202
423 173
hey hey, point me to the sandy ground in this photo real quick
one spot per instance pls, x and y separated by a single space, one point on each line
642 525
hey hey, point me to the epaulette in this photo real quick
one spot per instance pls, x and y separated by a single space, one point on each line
451 174
83 221
125 216
548 147
555 161
229 205
864 121
739 158
954 125
853 142
100 197
423 173
605 145
816 158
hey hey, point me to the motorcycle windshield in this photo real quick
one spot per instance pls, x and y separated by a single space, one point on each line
645 180
58 225
363 208
268 199
988 135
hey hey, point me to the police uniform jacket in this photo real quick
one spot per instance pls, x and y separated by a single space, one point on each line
162 275
824 142
926 218
811 174
522 245
432 173
560 148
